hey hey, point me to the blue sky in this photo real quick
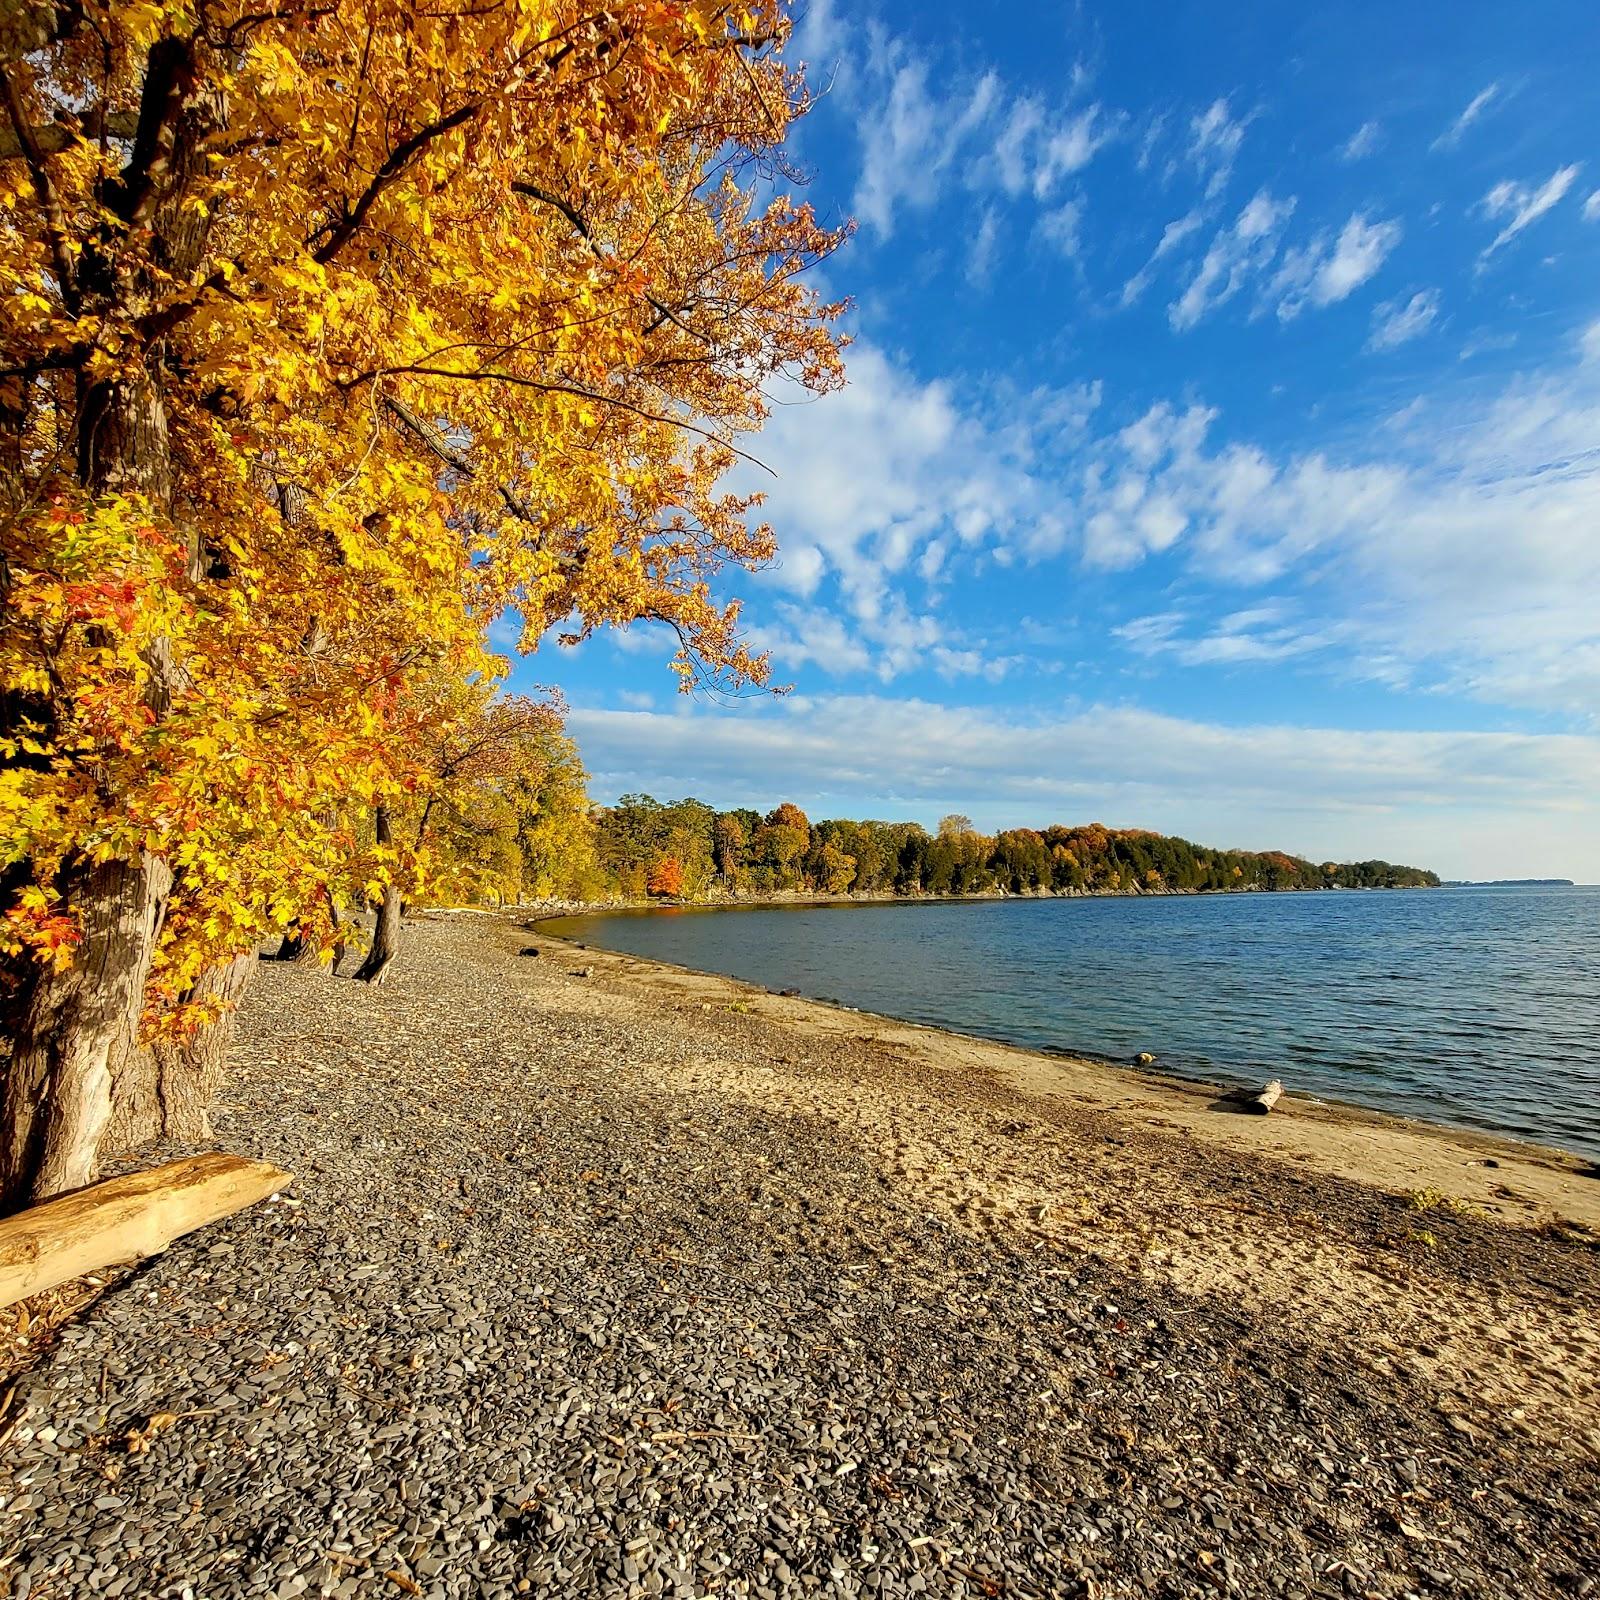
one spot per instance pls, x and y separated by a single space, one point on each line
1221 452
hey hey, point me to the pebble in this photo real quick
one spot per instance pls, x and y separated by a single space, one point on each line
537 1325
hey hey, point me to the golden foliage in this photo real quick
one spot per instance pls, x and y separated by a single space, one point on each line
336 331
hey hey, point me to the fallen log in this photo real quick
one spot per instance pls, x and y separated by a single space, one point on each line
124 1220
1268 1097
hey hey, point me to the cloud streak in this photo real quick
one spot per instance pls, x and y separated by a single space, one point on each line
1435 797
1398 322
1476 107
1522 205
1236 253
1330 269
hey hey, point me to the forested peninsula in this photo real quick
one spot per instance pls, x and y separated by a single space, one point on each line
642 847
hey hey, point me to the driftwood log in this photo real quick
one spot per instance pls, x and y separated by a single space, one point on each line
125 1219
1266 1099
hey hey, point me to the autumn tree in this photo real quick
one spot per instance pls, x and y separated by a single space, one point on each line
780 843
665 881
729 847
335 330
555 824
453 828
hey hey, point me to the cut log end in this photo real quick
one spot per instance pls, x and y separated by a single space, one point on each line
125 1219
1262 1102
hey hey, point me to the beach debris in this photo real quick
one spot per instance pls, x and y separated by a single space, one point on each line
1265 1099
583 972
1145 1058
529 950
125 1219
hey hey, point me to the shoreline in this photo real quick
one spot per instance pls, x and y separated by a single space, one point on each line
800 899
607 1278
1425 1177
1494 1142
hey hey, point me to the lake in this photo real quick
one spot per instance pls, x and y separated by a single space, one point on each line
1473 1006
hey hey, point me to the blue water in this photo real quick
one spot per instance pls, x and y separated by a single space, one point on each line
1473 1006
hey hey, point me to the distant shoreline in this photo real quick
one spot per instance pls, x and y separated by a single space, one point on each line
550 909
1509 883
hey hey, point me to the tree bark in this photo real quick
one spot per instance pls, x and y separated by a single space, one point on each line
75 1029
386 936
164 1089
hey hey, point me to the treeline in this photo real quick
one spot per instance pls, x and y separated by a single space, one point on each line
687 850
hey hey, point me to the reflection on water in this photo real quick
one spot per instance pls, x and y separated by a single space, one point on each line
1473 1006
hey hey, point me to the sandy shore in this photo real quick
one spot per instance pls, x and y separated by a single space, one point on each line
1161 1176
601 1277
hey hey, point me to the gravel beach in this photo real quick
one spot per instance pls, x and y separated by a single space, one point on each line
601 1278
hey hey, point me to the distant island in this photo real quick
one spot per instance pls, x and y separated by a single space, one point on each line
1509 883
687 850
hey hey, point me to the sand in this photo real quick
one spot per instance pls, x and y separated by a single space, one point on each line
1421 1249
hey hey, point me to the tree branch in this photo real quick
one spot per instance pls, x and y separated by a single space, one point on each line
665 312
51 138
169 71
456 460
395 163
549 386
44 191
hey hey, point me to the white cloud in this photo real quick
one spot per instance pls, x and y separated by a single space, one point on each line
1061 228
1589 342
1523 205
1465 803
1591 207
1362 142
1485 342
1476 107
871 477
818 39
1462 557
919 134
909 139
886 642
1255 635
1450 547
981 252
1215 138
1032 152
1331 269
1148 140
1396 322
1172 236
1236 253
799 567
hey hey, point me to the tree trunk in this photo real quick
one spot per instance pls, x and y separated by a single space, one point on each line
294 946
386 936
340 927
75 1030
163 1090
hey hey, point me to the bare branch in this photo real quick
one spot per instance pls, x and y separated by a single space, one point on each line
394 165
51 138
44 191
